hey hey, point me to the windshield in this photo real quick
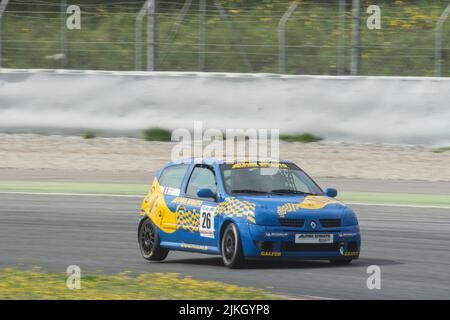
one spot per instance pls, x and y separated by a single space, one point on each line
257 178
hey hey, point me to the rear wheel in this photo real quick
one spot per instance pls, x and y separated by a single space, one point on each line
232 248
340 262
149 242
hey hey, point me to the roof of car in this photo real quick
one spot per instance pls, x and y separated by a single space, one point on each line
211 161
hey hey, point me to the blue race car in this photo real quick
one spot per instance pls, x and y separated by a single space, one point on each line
245 210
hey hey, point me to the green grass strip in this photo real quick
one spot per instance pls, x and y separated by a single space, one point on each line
140 189
395 198
68 187
304 138
37 284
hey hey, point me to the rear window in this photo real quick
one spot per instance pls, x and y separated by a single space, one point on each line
172 176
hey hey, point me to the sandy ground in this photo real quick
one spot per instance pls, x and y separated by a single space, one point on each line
323 159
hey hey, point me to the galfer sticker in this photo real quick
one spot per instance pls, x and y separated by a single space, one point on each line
206 227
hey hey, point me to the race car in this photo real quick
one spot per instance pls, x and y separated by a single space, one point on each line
243 210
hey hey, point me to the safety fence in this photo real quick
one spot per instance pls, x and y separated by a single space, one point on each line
328 37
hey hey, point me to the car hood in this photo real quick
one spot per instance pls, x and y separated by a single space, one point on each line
270 209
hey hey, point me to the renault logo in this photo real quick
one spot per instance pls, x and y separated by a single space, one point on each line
313 224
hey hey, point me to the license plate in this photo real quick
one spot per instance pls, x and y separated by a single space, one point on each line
313 238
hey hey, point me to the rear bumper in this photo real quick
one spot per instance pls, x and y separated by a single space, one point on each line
272 241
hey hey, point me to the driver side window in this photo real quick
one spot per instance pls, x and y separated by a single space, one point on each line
201 178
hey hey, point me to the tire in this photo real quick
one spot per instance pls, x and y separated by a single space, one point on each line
231 248
149 241
340 262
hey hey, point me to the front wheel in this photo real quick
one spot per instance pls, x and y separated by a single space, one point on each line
232 248
149 242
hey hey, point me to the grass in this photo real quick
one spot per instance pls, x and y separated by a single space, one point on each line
88 135
303 138
441 150
141 189
157 134
36 284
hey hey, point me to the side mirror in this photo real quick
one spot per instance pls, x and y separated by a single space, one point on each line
332 193
206 193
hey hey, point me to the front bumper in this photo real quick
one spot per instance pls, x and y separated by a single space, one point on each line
273 241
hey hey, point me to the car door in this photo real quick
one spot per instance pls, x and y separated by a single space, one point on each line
198 217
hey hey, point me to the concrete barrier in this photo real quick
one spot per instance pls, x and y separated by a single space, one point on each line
362 109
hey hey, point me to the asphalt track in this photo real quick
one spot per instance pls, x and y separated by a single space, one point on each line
98 233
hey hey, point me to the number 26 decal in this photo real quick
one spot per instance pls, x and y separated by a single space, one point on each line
207 221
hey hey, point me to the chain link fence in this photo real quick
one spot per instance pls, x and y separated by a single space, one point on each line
292 37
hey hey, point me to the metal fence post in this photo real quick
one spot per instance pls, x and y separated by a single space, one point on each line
341 50
438 42
179 22
282 37
64 50
138 34
235 37
174 32
202 35
152 36
356 54
3 5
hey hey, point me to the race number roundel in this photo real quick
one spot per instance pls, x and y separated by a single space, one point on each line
206 227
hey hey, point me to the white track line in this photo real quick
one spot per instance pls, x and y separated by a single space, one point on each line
142 196
75 194
397 205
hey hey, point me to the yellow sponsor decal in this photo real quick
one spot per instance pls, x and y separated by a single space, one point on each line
188 220
193 246
233 207
309 202
156 209
259 165
270 254
187 201
351 253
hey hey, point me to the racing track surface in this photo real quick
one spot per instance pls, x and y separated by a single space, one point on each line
98 233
